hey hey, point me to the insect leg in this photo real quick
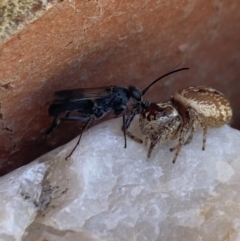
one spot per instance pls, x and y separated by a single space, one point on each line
196 119
152 145
181 141
127 121
83 129
134 137
192 126
124 130
205 128
56 122
190 136
204 135
146 141
76 118
154 141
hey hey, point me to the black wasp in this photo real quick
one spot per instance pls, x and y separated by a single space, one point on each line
94 103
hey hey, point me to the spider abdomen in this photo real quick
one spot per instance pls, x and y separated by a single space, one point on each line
210 104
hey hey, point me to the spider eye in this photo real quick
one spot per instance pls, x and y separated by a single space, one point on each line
165 113
187 113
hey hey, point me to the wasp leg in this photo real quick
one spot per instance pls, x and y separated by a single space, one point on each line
127 121
76 118
43 137
83 129
124 130
56 122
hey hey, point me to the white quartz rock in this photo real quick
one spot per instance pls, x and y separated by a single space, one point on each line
106 192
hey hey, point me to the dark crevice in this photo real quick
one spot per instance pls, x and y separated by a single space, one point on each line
8 129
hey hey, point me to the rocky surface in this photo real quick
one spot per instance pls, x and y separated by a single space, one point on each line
106 192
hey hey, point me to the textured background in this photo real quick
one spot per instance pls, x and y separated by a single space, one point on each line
49 46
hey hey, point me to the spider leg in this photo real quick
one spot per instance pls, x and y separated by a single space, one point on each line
205 128
152 145
204 137
189 126
197 120
155 138
189 139
181 142
192 126
146 141
185 142
139 140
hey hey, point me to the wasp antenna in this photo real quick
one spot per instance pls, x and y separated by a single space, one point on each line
176 66
161 77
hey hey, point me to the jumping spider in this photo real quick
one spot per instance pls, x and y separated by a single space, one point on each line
180 117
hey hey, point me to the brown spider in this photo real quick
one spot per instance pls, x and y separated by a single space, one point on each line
186 110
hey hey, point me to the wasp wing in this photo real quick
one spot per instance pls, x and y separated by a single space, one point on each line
71 95
81 100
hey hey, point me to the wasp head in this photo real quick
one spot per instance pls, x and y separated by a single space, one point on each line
135 94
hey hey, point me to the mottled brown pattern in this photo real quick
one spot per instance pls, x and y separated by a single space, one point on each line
211 104
158 122
155 116
180 117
